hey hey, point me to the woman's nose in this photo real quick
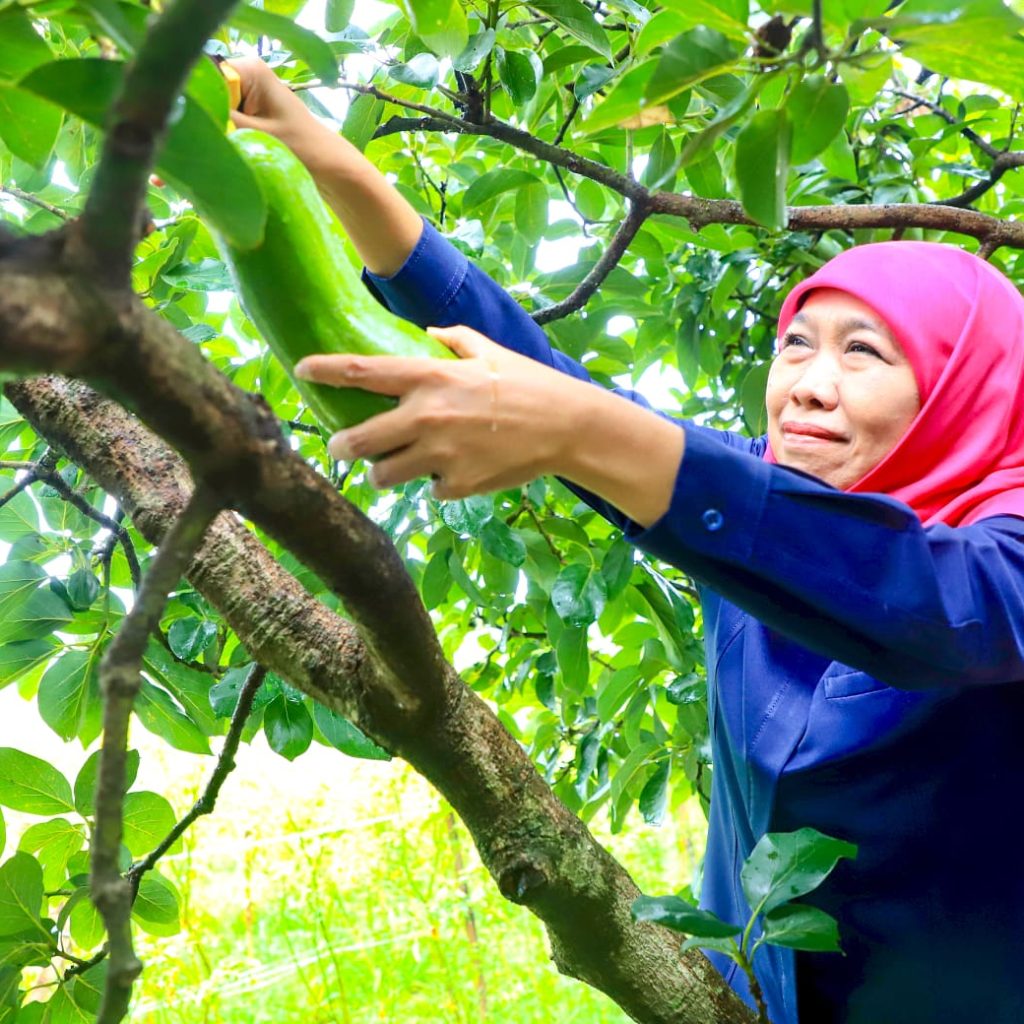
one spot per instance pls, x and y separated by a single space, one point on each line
818 384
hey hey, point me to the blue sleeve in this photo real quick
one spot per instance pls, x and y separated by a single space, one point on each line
855 577
437 286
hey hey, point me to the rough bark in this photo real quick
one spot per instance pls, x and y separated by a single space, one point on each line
382 667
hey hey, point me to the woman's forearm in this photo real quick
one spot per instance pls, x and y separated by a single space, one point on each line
622 452
383 226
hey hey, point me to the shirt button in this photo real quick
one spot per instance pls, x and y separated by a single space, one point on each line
713 519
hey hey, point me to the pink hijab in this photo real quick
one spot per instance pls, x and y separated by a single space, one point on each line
961 325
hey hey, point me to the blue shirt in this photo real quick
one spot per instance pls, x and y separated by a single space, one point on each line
858 665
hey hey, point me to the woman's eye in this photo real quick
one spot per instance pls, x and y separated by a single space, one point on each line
794 339
863 346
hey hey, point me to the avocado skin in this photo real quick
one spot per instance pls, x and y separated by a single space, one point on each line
300 289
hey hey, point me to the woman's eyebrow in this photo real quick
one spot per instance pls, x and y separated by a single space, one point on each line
848 325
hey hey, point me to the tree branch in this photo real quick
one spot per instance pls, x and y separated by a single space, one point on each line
104 237
638 213
539 852
27 197
120 680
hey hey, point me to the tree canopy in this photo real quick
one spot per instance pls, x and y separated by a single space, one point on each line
184 553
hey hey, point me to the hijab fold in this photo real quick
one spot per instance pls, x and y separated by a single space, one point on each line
961 324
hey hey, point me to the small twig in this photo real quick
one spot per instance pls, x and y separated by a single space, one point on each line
119 681
568 121
27 197
225 765
638 213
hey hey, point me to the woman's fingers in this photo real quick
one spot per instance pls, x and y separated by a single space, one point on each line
463 341
385 375
401 467
378 435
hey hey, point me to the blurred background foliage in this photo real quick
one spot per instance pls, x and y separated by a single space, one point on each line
478 111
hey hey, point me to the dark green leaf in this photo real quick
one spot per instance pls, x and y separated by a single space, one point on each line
680 916
752 398
421 71
762 166
574 658
520 73
785 865
578 20
83 588
156 907
32 785
654 796
157 711
494 183
688 59
578 594
189 636
819 107
468 515
346 737
69 697
288 726
799 927
617 568
476 49
361 121
503 542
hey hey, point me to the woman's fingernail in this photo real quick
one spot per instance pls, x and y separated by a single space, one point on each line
338 446
302 370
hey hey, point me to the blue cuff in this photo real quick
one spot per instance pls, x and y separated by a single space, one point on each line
413 291
716 504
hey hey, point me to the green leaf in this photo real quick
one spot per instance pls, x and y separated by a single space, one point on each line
437 580
188 637
28 125
110 21
223 696
623 101
156 907
468 515
288 727
303 43
531 212
148 817
83 588
573 658
159 714
338 14
503 542
54 843
785 865
520 74
687 60
590 199
35 614
729 18
617 567
476 49
800 927
614 690
189 687
654 796
361 120
18 518
420 71
494 183
752 398
197 158
441 24
819 107
22 48
680 916
341 734
208 275
660 172
69 697
579 594
21 896
578 20
86 924
85 781
32 785
762 165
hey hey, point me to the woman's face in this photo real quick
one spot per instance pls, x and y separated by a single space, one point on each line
841 392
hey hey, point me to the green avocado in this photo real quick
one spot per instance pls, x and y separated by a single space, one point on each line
300 289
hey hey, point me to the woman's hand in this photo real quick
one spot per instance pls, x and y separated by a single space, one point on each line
269 105
491 420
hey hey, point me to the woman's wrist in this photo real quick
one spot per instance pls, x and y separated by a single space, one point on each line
620 451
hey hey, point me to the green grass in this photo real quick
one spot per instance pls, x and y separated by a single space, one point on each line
306 901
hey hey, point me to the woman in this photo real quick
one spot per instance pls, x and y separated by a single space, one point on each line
862 571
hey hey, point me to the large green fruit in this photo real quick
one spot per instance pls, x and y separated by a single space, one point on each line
302 292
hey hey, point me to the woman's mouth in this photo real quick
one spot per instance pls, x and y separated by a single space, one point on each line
809 433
